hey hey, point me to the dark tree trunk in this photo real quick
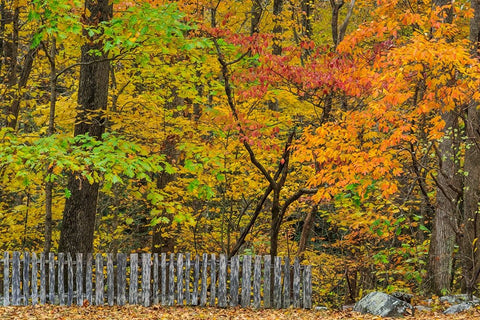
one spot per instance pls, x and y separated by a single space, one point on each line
469 246
449 196
80 208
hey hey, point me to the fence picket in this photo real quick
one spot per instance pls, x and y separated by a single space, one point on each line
196 277
25 278
213 280
51 277
277 282
246 283
6 279
121 278
267 281
79 278
146 275
88 278
171 280
222 282
203 291
307 287
286 283
234 284
133 288
70 279
155 279
16 278
163 267
110 280
180 279
34 283
257 275
296 284
187 279
60 277
99 288
43 280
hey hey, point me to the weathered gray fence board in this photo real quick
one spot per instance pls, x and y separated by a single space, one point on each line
34 283
155 279
180 279
163 267
234 283
171 280
79 277
6 279
25 278
213 280
267 281
103 279
222 282
110 280
203 291
133 289
257 275
88 278
296 284
70 279
121 278
16 279
277 282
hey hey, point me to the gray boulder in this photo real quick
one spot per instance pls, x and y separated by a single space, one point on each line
458 308
458 298
382 304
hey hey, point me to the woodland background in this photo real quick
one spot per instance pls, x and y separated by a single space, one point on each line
342 132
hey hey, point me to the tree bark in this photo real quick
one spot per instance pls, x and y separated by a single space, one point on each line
469 246
80 208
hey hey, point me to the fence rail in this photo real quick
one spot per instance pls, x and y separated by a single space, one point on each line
146 279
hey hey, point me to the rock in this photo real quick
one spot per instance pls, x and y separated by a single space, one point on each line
382 304
320 308
458 308
407 297
458 299
422 308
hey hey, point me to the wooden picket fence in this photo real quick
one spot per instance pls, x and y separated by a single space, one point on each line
147 279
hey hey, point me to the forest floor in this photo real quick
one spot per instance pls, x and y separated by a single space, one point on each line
137 312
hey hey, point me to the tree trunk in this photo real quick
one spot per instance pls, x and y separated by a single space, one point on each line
80 208
469 246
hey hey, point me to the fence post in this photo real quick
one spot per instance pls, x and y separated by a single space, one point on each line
267 281
6 279
34 283
25 278
79 277
43 280
110 280
213 280
99 288
163 267
171 280
16 278
133 289
196 277
70 279
257 276
60 277
146 260
286 283
296 284
277 282
180 279
155 278
246 283
222 282
88 278
121 278
187 279
51 277
307 287
203 292
234 283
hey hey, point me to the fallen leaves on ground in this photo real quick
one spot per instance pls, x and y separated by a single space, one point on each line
158 312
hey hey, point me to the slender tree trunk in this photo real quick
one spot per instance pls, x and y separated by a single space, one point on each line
80 208
306 231
469 246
